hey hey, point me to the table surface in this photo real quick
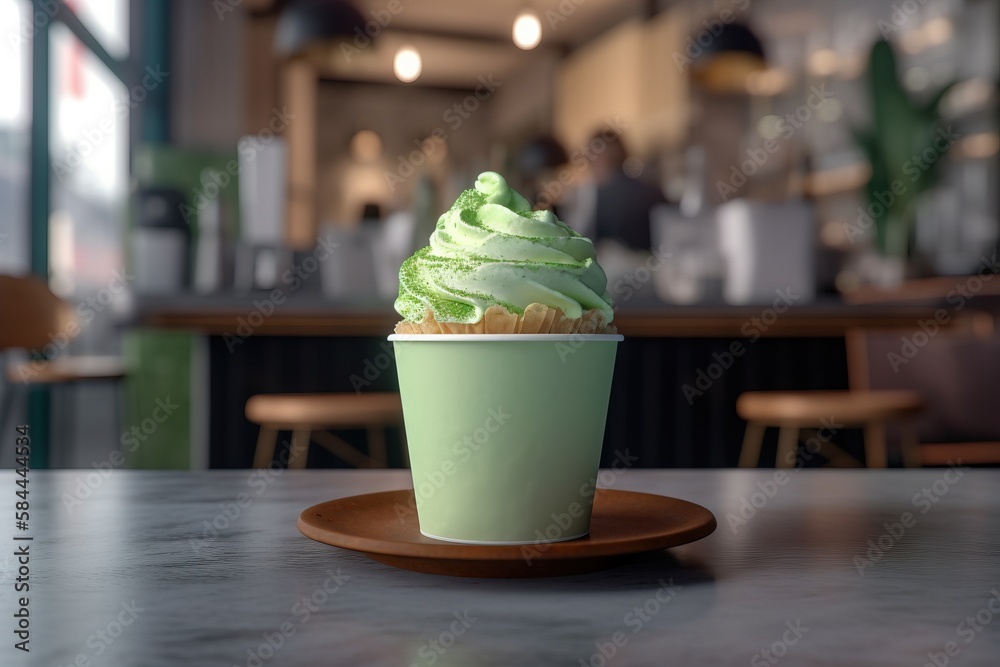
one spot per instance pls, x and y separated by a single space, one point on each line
132 577
312 315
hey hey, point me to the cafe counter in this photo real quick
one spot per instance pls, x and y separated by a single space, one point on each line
677 375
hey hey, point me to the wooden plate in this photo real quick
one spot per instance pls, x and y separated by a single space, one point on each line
384 527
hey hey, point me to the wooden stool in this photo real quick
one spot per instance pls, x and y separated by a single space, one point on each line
308 416
31 314
792 411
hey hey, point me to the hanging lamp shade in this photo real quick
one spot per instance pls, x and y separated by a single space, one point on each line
725 62
304 24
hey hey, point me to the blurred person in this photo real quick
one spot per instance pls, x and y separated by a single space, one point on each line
614 209
622 204
540 162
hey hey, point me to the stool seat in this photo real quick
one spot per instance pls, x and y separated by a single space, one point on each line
812 408
318 411
67 369
829 410
308 416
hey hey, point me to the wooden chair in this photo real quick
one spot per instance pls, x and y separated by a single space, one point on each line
793 411
308 416
957 373
32 318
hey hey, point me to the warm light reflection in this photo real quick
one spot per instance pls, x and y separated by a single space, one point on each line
527 31
62 244
824 62
366 146
852 66
768 82
407 65
937 30
435 150
913 41
967 96
979 146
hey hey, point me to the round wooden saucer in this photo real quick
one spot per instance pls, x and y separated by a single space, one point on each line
624 523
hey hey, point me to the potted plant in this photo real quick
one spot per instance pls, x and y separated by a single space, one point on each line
904 146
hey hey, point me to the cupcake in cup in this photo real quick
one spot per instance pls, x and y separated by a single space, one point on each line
505 356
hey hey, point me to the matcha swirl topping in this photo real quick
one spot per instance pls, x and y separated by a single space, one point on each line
490 248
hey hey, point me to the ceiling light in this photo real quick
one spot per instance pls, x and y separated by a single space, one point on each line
406 65
527 30
823 62
727 58
304 24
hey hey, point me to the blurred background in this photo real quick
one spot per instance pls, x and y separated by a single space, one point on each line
214 199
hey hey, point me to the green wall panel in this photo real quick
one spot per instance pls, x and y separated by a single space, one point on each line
157 433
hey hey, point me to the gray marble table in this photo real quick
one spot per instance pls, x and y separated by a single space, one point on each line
807 568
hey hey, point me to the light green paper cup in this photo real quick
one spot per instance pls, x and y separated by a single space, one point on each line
504 432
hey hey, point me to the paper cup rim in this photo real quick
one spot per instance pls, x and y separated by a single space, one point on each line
537 338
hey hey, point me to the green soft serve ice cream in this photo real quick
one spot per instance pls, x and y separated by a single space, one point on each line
490 249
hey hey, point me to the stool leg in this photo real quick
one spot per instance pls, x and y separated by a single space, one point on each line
910 446
753 438
264 454
300 449
875 449
788 443
377 450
